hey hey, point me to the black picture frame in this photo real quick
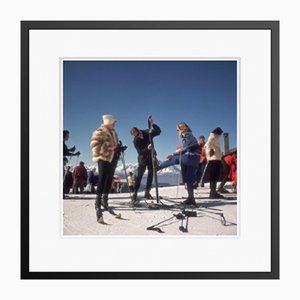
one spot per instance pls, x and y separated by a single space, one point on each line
27 26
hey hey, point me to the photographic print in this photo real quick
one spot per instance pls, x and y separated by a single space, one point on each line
150 129
150 147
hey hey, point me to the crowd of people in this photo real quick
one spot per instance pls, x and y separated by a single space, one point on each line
201 162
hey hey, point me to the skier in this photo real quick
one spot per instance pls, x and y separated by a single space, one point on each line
92 181
68 151
106 152
229 163
130 182
116 185
143 146
202 161
79 178
68 180
189 159
213 156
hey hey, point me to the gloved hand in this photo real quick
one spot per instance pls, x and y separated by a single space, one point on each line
150 120
211 152
72 149
77 153
122 148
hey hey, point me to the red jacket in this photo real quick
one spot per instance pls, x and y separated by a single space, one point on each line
231 161
80 173
203 153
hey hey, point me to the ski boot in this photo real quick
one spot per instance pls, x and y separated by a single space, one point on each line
190 201
215 195
99 215
148 195
134 201
223 191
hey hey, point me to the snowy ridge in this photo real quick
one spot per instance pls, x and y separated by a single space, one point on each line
173 170
167 176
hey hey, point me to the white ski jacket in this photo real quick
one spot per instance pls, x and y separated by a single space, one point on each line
213 143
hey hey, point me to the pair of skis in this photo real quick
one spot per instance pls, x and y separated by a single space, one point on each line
153 157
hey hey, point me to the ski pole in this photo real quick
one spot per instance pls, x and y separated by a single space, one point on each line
178 176
160 222
204 171
124 168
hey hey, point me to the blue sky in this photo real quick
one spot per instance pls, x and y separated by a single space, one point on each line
201 93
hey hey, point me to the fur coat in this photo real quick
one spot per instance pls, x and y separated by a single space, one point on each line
213 143
103 139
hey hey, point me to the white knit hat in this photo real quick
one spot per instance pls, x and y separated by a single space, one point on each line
108 119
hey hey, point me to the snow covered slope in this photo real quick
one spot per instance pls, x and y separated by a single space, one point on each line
79 216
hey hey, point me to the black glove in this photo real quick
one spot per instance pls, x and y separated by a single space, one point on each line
150 120
72 149
122 148
211 152
77 153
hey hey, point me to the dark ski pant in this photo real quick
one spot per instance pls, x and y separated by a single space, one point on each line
140 172
189 166
170 162
106 172
215 166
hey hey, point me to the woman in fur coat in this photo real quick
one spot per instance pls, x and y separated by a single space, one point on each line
104 144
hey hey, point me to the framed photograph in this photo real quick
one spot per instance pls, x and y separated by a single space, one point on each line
150 150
